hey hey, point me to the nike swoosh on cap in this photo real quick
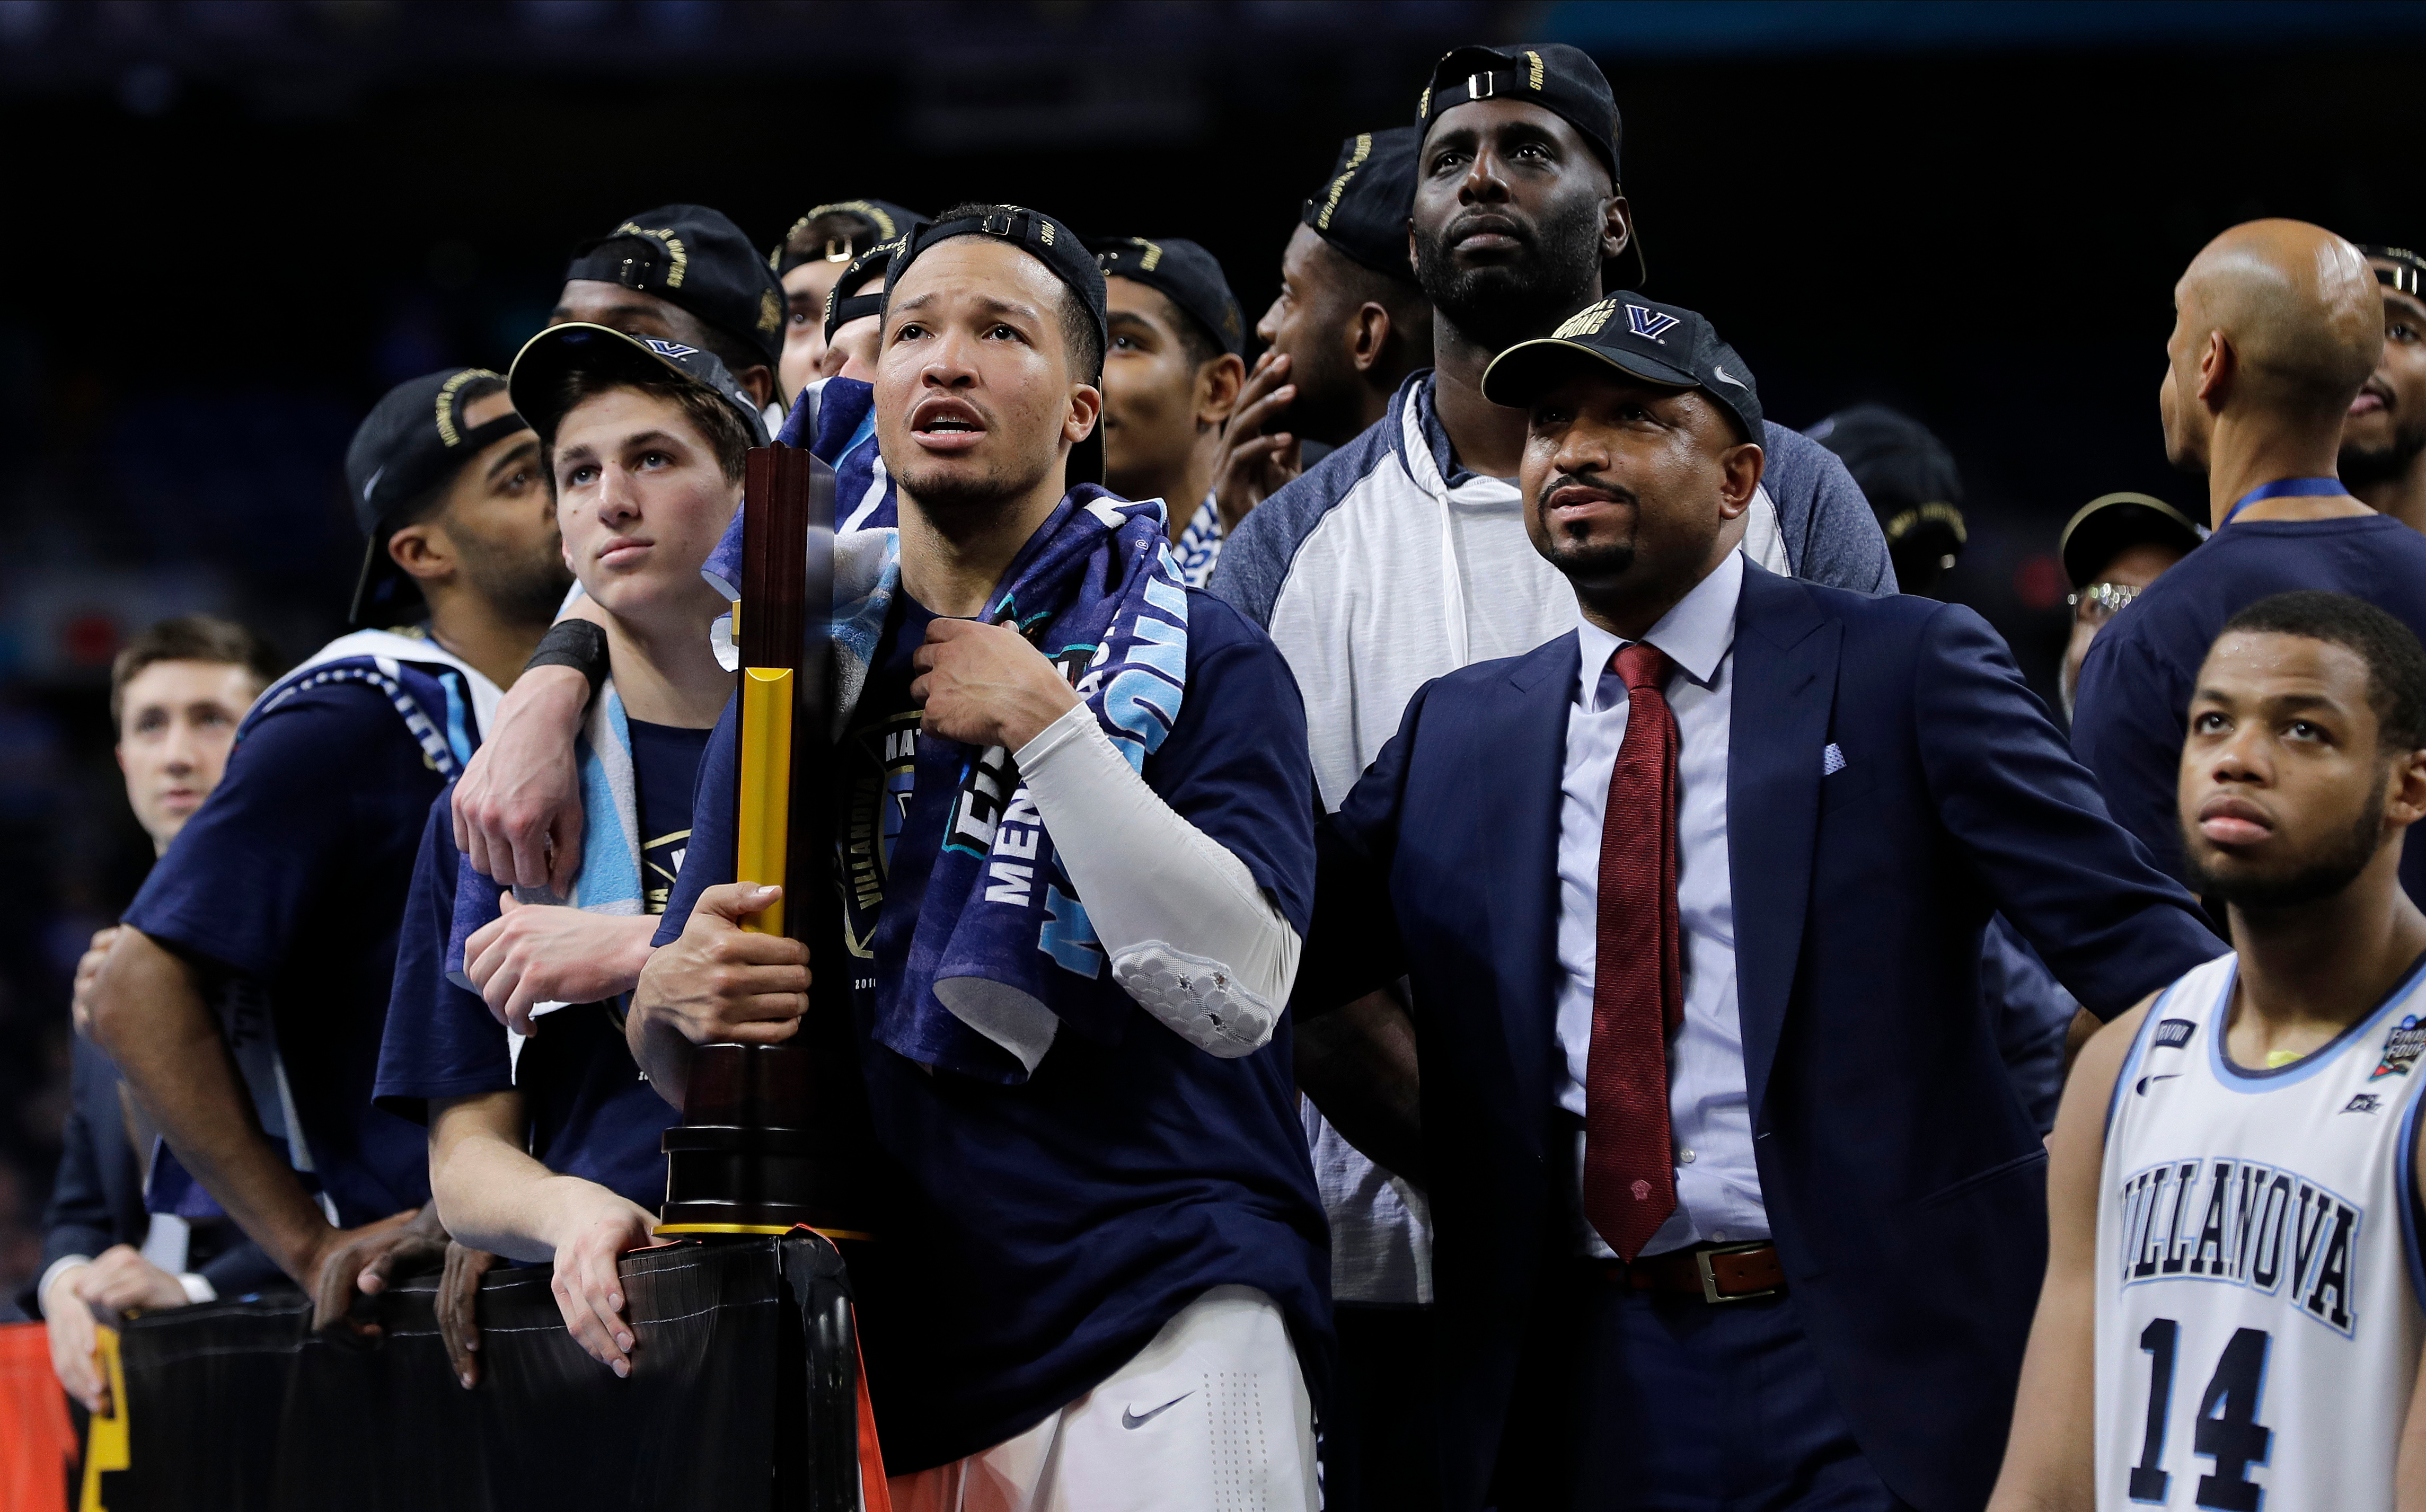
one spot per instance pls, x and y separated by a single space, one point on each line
1131 1418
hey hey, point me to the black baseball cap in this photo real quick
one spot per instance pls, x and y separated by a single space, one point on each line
2112 523
1184 273
537 381
409 445
1906 473
1560 79
696 259
844 302
2408 273
1362 208
1050 242
1659 344
878 221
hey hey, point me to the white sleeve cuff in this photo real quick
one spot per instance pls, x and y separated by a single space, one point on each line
1189 933
52 1272
198 1287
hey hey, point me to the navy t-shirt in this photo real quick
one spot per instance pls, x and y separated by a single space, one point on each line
2133 710
293 875
1049 1229
589 1112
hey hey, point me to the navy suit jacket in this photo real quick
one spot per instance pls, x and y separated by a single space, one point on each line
1905 1183
97 1199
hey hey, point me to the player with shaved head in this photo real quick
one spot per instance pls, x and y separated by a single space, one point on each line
2279 327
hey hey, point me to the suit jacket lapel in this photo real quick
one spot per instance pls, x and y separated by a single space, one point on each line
1785 688
1524 761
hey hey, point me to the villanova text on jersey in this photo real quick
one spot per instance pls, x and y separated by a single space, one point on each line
2245 1224
2259 1277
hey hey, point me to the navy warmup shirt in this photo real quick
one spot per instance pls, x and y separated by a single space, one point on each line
1050 1229
293 874
590 1113
2133 711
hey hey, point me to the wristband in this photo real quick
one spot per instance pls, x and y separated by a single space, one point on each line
574 643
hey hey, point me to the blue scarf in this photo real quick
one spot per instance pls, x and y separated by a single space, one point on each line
1002 955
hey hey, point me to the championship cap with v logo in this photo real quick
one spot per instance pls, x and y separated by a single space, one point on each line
1627 335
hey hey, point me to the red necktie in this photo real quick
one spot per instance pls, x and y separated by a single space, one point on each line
1637 979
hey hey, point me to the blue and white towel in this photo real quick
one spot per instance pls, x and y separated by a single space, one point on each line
1002 955
609 879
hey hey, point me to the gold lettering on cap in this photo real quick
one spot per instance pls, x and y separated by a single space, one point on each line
1362 149
1153 254
679 259
1533 74
448 434
1424 106
770 312
1586 321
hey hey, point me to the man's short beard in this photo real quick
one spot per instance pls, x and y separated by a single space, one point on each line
943 492
523 591
2363 465
2320 880
1499 306
1585 563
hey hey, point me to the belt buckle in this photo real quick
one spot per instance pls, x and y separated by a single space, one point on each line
1710 1292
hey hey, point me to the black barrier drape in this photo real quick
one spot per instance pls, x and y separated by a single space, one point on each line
742 1394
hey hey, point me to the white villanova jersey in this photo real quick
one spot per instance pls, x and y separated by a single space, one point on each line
2258 1278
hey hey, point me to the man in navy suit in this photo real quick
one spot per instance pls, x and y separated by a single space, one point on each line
1735 1204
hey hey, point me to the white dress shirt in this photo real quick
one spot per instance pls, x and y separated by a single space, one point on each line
1709 1115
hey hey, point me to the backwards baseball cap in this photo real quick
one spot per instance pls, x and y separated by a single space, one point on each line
406 448
2112 523
1051 243
2406 275
877 220
1184 272
844 302
1362 209
1561 80
695 259
1663 344
537 381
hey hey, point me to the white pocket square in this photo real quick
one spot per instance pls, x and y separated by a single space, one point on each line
1831 761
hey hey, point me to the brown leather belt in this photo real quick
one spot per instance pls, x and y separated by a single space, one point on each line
1714 1273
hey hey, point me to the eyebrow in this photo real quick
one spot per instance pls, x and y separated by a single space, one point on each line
991 303
2409 304
519 454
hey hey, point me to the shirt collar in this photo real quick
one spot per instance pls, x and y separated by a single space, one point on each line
1697 633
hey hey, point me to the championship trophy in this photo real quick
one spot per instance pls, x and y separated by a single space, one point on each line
775 1139
769 1140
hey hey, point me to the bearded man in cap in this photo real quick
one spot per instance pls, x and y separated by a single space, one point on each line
245 997
1403 555
1106 1247
1737 1206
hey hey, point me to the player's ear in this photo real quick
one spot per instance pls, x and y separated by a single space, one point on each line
2217 362
1086 405
1218 383
2404 795
1368 335
423 551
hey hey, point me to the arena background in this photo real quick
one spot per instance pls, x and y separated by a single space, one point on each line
234 223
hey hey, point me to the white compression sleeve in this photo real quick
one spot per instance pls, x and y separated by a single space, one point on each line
1189 935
